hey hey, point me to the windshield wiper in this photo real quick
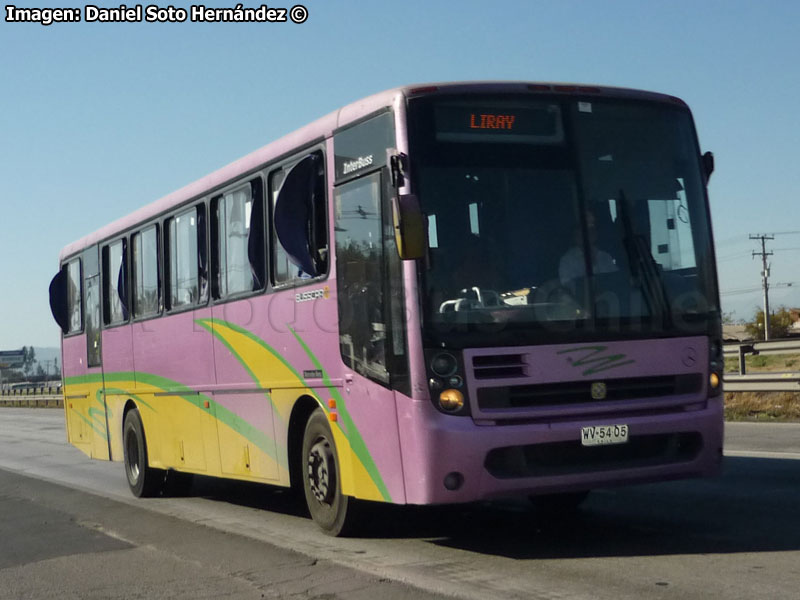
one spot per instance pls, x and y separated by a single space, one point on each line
643 265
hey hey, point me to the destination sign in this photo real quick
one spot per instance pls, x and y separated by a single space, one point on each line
463 123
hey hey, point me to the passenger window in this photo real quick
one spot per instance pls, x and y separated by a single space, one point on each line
238 248
186 263
74 309
115 288
146 291
299 221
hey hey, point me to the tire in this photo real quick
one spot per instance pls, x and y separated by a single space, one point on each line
559 504
143 480
331 510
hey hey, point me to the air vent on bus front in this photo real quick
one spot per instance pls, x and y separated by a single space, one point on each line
498 366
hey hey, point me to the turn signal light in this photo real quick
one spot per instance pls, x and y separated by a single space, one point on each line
451 400
713 381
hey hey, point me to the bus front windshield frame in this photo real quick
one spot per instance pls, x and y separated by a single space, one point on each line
560 218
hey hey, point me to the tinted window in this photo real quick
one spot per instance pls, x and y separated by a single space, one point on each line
146 296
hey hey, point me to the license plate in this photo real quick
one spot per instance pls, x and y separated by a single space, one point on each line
601 435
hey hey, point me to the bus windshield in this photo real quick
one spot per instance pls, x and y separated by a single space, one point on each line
560 215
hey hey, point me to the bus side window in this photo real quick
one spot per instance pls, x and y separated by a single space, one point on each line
303 254
115 275
146 289
74 304
186 263
237 232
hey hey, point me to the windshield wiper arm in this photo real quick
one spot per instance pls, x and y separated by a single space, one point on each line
643 265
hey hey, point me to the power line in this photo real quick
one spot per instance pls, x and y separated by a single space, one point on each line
764 275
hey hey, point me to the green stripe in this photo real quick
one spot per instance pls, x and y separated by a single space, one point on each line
207 324
121 392
346 425
91 423
249 432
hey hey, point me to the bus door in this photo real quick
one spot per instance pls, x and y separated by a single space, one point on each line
371 316
86 407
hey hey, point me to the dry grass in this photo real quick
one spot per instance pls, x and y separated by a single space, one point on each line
762 406
761 362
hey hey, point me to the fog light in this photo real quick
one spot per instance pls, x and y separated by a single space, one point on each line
451 400
713 381
453 481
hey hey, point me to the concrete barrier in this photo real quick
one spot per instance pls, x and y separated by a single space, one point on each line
32 401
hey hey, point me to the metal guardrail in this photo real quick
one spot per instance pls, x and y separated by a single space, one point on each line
762 381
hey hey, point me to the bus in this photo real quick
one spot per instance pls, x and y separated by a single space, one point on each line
438 294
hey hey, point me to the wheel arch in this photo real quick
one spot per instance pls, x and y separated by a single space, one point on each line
301 411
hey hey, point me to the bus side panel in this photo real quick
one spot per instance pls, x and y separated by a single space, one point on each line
245 411
174 370
289 346
76 393
119 382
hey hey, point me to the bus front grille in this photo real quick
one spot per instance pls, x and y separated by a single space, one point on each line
581 392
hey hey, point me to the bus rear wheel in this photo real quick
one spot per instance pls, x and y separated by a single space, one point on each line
143 480
331 510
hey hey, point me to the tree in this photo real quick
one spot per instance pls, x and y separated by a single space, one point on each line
28 359
779 323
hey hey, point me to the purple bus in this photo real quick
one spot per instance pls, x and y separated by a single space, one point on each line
436 294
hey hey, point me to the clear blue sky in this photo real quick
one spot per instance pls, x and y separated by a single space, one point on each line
97 120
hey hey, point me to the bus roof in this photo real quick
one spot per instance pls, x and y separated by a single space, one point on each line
325 126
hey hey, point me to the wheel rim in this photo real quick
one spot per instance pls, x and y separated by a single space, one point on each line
321 471
132 446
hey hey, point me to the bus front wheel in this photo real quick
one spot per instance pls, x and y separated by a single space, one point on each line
143 480
329 508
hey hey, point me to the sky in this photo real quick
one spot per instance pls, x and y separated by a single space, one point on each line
99 119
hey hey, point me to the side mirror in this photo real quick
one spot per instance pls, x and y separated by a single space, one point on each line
409 227
58 300
708 164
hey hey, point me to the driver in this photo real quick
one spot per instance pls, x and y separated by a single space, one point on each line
573 264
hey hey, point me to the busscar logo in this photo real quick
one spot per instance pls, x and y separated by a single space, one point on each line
310 295
359 163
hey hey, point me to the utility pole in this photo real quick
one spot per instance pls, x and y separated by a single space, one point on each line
764 276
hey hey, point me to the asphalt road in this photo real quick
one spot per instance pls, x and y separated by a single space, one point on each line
737 536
